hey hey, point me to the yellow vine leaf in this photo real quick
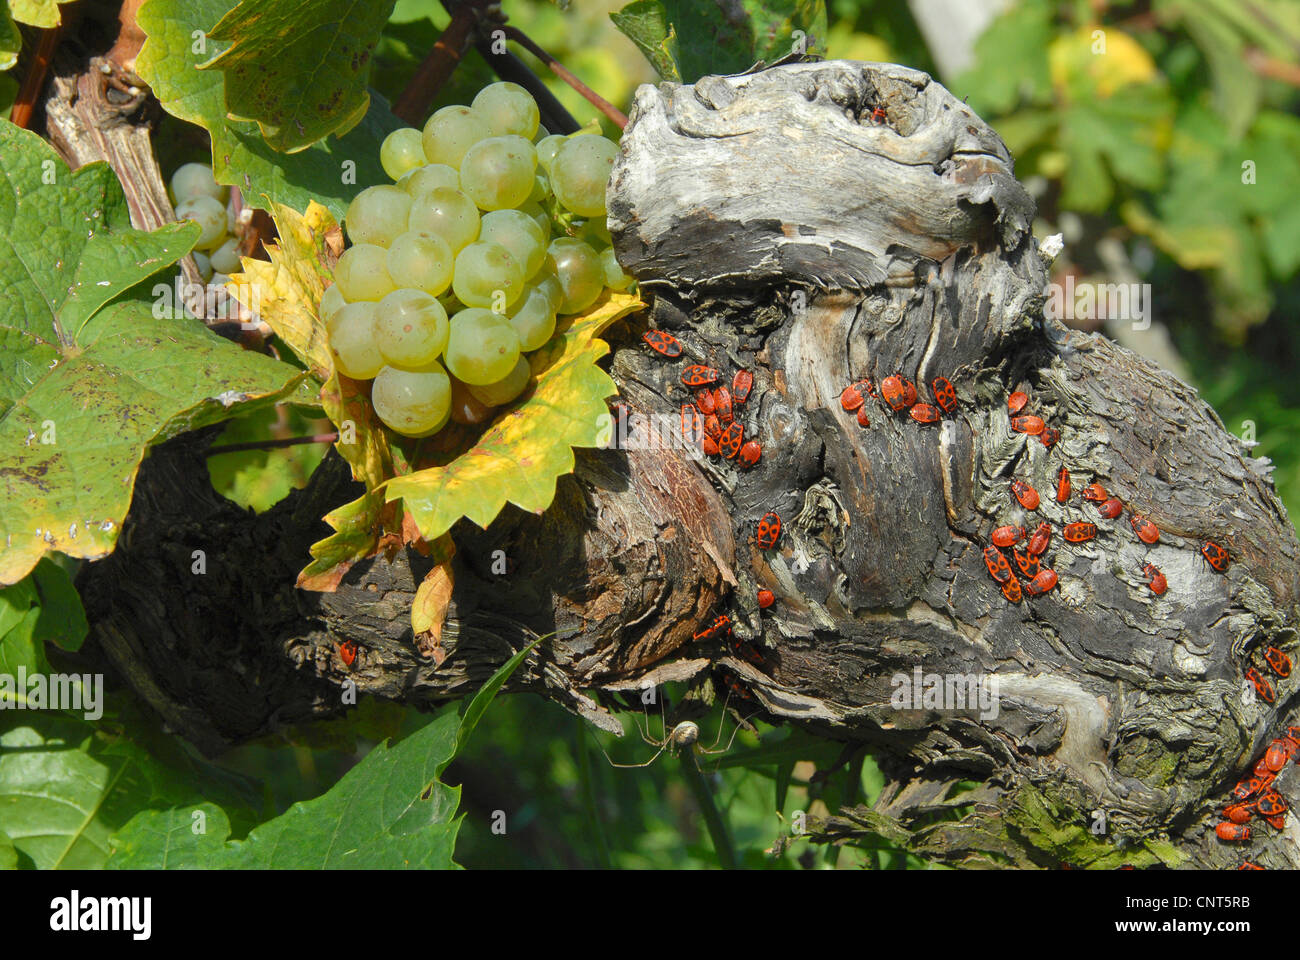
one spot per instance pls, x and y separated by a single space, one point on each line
286 293
1092 62
432 598
287 290
530 445
359 525
356 534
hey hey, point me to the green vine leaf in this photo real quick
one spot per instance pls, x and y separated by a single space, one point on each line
178 40
38 13
298 68
11 41
66 784
390 811
90 376
645 23
685 40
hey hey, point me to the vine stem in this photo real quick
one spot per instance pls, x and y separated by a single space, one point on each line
273 444
596 100
413 105
20 113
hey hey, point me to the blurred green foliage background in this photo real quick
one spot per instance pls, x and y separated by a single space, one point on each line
1135 125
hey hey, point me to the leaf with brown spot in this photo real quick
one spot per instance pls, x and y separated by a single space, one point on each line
90 378
298 67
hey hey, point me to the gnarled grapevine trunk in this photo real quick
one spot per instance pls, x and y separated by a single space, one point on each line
783 226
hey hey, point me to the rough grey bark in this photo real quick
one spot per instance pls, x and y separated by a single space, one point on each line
782 230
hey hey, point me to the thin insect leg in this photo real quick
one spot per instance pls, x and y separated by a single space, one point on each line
645 733
722 724
731 741
631 765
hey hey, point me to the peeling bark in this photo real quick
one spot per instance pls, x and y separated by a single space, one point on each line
784 231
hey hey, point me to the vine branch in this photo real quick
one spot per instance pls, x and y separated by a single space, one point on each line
596 100
273 444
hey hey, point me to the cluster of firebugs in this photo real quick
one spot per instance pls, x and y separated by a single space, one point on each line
711 419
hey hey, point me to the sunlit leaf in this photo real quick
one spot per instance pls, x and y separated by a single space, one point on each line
288 288
330 171
298 68
90 377
38 13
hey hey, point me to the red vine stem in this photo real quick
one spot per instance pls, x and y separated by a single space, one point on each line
25 103
595 99
273 444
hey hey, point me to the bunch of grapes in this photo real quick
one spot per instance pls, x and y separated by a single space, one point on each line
198 197
453 276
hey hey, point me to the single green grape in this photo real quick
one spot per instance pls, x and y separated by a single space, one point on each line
546 281
580 173
203 263
196 180
401 152
595 233
615 278
331 302
445 213
420 260
225 258
498 172
431 176
411 329
508 108
451 131
414 403
352 341
539 216
541 188
506 389
362 273
578 269
378 215
546 150
210 215
533 318
518 233
483 347
487 275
